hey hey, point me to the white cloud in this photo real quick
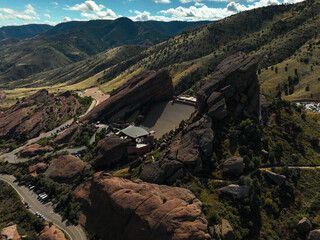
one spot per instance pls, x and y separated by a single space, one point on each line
91 10
197 4
28 14
291 1
67 19
87 6
47 15
162 1
146 16
55 3
235 7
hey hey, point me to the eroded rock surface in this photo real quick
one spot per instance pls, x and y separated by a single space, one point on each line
10 233
143 88
66 169
110 152
116 208
37 168
51 233
3 96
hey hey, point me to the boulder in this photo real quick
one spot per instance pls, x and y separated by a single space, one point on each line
51 233
314 235
111 151
139 210
276 178
235 165
143 88
10 232
162 172
304 225
66 169
34 150
241 191
227 231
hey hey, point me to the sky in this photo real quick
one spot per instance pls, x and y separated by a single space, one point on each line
20 12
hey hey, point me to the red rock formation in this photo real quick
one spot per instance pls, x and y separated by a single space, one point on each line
34 150
233 91
110 152
38 168
10 233
34 113
51 233
116 208
144 88
66 169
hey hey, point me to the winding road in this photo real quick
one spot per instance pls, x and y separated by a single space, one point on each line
74 232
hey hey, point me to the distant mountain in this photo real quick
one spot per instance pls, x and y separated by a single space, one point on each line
75 41
24 31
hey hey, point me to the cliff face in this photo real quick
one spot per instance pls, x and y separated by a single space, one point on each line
144 88
233 91
116 208
35 113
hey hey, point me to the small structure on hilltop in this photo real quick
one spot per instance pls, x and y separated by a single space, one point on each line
142 140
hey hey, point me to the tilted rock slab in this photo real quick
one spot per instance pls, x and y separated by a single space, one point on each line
143 88
34 149
276 178
241 191
116 208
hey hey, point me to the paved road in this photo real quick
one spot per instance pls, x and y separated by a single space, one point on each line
74 232
11 157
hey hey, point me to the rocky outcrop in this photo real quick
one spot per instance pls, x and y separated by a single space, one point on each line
34 114
235 165
276 178
34 150
162 172
70 134
66 169
314 235
241 191
10 232
197 143
51 233
34 170
139 210
304 225
144 88
111 151
233 89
